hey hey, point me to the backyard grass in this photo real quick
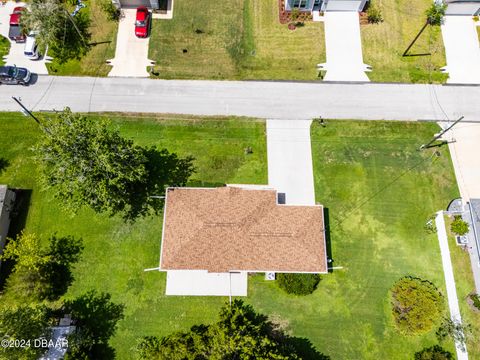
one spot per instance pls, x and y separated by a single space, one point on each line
116 253
383 44
462 271
4 48
104 35
234 39
379 191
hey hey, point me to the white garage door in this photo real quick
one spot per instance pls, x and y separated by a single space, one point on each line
137 3
343 5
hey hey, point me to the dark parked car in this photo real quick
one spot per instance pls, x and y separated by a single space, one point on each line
15 33
12 75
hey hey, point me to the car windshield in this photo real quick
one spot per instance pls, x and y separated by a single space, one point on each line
140 23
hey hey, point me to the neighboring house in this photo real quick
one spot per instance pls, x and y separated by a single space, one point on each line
463 7
325 5
213 237
7 199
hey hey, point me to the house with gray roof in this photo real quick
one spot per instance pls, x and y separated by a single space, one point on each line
325 5
462 7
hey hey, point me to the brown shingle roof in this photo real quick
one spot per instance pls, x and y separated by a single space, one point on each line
229 228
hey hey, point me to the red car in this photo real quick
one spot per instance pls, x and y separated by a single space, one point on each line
142 22
15 32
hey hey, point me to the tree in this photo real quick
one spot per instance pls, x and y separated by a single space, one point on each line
41 273
433 353
240 333
435 14
85 162
56 29
96 319
23 323
298 284
417 305
459 226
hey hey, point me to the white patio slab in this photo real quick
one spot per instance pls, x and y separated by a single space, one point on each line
344 47
131 53
462 50
16 56
289 153
203 283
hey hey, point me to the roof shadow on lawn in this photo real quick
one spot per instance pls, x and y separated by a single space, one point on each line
328 243
18 219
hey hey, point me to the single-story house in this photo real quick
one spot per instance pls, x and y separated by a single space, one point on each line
325 5
7 199
151 4
462 7
213 237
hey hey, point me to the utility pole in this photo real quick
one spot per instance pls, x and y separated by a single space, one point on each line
27 112
441 133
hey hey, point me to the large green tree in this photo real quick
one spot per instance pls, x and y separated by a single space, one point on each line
417 305
25 323
240 333
86 162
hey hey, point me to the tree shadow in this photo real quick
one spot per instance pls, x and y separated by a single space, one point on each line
328 242
305 349
4 163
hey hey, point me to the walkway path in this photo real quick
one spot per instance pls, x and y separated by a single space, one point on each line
462 49
131 53
290 169
267 99
449 280
344 47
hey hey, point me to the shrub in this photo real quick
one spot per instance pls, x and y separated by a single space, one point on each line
476 300
295 14
374 15
435 14
298 284
459 226
434 353
110 10
417 305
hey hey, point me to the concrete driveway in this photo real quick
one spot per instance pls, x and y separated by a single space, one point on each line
289 154
131 53
462 50
16 56
344 47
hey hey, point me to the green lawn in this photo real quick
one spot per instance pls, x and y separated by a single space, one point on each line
234 39
383 44
379 190
116 253
104 33
4 48
465 285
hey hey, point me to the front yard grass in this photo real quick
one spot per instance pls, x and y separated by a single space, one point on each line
116 253
462 272
4 48
104 35
383 44
234 39
379 190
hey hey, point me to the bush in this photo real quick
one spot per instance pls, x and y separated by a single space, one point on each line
374 15
435 14
417 305
110 10
476 300
459 226
295 14
434 353
298 284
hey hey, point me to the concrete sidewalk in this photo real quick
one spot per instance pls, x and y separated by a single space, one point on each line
449 280
290 169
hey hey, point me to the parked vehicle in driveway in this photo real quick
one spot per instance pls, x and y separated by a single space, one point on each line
12 75
142 22
15 32
31 48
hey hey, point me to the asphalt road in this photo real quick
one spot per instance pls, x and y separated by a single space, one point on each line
273 100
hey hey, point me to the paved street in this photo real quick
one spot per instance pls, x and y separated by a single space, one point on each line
270 100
